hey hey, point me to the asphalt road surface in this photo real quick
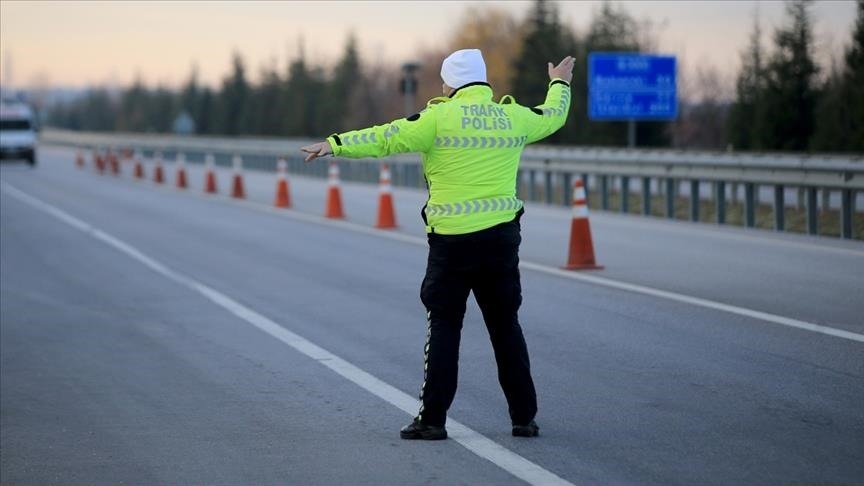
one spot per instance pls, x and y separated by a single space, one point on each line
150 335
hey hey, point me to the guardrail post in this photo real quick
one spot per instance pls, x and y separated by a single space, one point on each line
625 194
547 192
750 204
646 196
532 185
846 209
585 185
604 192
568 188
779 212
720 201
812 212
670 198
694 200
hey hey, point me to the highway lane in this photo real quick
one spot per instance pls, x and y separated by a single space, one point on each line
812 279
632 388
111 374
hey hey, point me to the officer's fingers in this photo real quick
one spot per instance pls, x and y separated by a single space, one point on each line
312 152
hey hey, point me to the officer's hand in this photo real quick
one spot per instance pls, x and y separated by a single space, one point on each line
564 69
319 149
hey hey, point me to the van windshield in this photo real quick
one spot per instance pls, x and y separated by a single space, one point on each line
9 125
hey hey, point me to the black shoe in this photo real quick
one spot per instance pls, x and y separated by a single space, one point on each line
415 430
530 430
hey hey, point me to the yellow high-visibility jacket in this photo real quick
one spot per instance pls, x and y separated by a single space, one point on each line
470 147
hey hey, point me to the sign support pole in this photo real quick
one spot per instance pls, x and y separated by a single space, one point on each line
631 133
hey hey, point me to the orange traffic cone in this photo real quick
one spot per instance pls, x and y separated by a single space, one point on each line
180 162
334 195
139 167
237 191
283 200
79 160
115 163
97 160
581 255
210 176
158 176
386 213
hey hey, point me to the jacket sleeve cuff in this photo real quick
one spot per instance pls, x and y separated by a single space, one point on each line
335 144
555 81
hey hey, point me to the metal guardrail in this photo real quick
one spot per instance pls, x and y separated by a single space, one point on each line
606 170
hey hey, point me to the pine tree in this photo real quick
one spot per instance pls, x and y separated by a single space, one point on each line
853 79
542 43
233 100
340 103
749 86
302 98
787 122
833 122
189 97
264 115
204 112
133 108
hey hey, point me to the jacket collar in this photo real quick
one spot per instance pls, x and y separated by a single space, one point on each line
470 89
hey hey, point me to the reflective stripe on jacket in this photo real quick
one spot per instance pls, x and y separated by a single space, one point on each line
470 147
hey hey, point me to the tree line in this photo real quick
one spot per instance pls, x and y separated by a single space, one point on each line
782 101
781 104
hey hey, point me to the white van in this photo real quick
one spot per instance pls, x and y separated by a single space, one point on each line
17 132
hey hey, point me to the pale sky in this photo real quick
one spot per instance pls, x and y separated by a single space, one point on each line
77 43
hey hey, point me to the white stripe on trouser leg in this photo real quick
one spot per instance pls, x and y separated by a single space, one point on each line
425 362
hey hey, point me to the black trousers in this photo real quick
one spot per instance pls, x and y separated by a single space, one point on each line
485 262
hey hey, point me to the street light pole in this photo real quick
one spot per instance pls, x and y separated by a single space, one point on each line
408 86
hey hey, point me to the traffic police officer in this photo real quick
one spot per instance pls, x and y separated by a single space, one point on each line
470 148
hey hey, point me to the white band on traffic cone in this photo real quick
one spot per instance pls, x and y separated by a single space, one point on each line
579 193
580 205
333 175
385 186
580 211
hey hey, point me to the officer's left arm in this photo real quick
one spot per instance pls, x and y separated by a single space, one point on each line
413 134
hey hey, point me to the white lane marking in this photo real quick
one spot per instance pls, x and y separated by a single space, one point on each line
472 440
741 311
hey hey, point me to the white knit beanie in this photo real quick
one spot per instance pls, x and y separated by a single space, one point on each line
463 67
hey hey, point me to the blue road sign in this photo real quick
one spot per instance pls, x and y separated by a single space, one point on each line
628 86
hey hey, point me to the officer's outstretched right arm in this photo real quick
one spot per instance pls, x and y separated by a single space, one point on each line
544 120
413 134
